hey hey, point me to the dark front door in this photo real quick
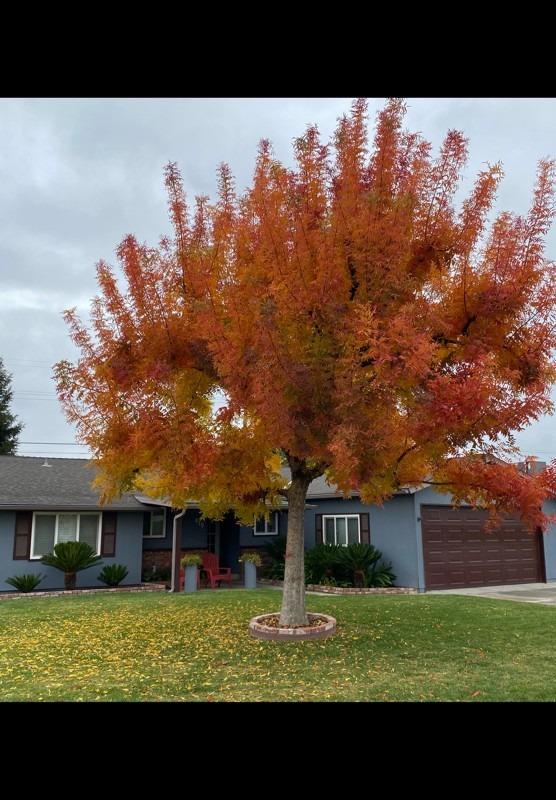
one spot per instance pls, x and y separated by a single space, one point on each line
458 550
229 543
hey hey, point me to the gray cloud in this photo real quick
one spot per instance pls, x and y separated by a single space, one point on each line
76 175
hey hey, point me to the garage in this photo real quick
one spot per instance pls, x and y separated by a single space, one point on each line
458 552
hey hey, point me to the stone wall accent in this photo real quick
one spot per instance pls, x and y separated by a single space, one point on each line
144 587
260 630
312 587
354 590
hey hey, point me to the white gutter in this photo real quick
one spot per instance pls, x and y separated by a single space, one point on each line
176 550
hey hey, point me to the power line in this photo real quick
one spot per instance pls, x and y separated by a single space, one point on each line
31 397
50 454
54 453
26 361
73 444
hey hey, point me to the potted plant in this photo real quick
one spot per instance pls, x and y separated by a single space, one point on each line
191 563
250 563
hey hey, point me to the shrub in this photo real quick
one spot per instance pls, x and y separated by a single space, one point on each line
113 574
252 558
191 560
276 554
335 565
381 575
356 560
70 558
156 575
322 563
25 583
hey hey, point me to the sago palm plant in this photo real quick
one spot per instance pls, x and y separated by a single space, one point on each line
71 558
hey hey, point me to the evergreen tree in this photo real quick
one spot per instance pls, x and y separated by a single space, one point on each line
10 428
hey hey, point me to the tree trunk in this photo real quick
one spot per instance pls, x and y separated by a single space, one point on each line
69 580
293 600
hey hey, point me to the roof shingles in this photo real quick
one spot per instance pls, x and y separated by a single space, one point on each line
25 482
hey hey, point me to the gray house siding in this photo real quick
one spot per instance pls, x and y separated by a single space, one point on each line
128 552
395 529
193 532
162 543
549 542
248 539
392 530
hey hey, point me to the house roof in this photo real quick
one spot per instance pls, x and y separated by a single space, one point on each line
60 483
321 489
65 483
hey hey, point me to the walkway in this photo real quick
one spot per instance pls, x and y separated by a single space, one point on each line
544 593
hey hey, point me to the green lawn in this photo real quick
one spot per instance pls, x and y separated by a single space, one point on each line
196 647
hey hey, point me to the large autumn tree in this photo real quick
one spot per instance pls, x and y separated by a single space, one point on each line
354 322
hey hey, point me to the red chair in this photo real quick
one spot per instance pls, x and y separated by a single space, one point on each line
215 573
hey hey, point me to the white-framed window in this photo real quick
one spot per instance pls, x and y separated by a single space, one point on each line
341 529
50 528
157 526
266 527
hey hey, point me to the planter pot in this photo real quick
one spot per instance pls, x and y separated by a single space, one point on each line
190 584
250 575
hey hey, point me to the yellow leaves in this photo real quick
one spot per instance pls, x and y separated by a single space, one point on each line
273 464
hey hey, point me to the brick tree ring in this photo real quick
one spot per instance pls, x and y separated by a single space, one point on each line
265 626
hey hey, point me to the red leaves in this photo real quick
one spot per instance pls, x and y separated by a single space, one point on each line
499 487
347 312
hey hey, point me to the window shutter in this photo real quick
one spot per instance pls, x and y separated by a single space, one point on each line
318 528
146 523
364 528
22 537
108 543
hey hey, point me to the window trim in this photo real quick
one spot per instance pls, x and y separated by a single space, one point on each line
150 534
341 516
266 532
57 515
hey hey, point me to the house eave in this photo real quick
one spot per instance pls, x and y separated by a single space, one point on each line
66 507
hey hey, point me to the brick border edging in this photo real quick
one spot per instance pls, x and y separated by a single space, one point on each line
313 587
145 587
259 630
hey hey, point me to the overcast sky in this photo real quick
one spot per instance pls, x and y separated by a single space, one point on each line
76 175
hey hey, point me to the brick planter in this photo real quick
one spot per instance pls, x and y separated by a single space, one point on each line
322 589
258 629
354 590
144 587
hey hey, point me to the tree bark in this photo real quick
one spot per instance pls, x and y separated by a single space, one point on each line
69 580
293 599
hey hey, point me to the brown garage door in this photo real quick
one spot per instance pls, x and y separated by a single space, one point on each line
458 552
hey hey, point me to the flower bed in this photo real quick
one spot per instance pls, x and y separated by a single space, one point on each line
266 626
144 587
324 589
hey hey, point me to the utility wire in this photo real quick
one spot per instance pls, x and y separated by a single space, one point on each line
73 444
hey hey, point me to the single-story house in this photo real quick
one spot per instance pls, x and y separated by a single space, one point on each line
46 501
430 544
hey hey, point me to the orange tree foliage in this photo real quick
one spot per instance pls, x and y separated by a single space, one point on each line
352 319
